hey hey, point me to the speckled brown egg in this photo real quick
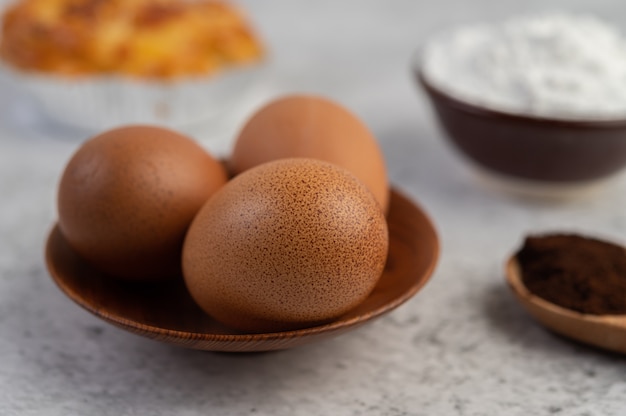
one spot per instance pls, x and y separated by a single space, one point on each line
287 244
312 127
127 197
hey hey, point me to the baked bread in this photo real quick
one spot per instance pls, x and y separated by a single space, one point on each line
153 39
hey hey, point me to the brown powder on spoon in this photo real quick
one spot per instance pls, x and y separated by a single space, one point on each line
578 273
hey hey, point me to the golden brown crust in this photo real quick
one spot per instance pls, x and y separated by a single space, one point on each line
142 38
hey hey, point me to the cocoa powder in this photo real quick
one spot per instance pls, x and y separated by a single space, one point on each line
578 273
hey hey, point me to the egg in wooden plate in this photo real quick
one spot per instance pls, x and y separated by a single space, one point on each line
288 244
128 195
313 127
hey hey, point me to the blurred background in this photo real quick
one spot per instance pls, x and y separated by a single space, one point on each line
357 52
461 347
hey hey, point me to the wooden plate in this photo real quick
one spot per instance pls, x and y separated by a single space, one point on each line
166 312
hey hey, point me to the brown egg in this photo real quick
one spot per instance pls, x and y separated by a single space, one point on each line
312 127
127 197
287 244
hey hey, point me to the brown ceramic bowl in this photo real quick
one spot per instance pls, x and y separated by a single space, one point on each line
532 149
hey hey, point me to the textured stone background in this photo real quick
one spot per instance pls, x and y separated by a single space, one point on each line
462 346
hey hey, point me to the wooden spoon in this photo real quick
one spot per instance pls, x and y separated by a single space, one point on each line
604 331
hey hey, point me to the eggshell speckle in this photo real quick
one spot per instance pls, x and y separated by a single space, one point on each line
287 244
312 127
127 197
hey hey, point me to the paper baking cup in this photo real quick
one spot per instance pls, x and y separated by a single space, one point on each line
104 102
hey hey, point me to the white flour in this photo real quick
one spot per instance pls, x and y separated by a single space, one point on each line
555 65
